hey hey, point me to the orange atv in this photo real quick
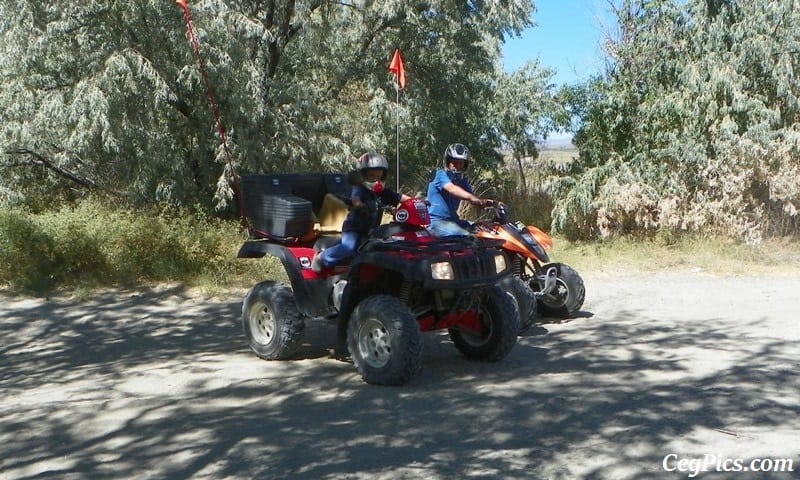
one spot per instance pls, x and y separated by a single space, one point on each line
555 290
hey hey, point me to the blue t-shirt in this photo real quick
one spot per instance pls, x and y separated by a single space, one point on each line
444 206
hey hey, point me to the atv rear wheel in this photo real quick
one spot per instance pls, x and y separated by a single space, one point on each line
272 323
566 298
524 299
499 320
384 341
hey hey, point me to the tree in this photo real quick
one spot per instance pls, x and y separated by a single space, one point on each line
106 96
90 99
525 109
694 126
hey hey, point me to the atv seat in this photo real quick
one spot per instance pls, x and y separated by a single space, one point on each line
325 241
332 215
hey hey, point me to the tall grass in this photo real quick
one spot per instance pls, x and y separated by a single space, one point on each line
662 250
93 244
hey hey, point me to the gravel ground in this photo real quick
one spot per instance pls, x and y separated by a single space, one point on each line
657 370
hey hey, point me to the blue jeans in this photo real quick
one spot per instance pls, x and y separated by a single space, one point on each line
449 228
341 251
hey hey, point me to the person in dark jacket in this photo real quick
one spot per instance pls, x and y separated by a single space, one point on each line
367 198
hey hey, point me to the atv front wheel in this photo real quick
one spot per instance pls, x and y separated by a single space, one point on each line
524 299
384 341
272 323
566 297
499 320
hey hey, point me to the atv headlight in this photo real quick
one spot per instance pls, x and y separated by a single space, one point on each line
499 263
442 271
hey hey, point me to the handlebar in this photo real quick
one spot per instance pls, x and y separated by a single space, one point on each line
496 210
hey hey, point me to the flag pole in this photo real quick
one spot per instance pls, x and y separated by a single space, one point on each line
397 147
396 67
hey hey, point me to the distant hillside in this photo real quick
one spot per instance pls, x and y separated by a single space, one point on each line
560 142
558 149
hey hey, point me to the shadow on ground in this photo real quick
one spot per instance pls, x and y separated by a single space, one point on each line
158 384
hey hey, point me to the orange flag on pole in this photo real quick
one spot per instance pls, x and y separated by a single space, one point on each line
396 67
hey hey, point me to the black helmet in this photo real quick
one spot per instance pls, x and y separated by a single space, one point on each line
456 151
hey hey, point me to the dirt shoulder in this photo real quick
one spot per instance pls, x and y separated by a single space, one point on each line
159 383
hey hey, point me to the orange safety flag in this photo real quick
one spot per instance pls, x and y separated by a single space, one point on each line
396 67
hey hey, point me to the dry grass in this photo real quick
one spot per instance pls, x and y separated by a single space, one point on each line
216 270
713 256
558 156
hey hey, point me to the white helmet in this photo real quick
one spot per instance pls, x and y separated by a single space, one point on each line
456 151
372 160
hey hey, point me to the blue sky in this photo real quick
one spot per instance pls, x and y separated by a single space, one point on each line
566 39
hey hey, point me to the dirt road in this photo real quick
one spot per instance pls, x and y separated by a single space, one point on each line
658 370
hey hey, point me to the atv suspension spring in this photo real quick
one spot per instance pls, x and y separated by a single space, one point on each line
469 301
516 266
405 291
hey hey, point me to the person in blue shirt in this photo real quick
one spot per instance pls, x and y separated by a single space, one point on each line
446 191
366 198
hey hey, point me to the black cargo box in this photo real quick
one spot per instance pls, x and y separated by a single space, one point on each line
284 205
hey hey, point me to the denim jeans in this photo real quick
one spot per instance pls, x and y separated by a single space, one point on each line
449 228
341 251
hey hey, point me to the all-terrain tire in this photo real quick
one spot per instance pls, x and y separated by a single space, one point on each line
524 299
272 323
384 341
568 295
499 326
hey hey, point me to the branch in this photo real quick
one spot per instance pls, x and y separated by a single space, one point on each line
779 23
287 30
340 82
180 105
50 165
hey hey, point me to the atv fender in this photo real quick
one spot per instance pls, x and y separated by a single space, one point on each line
312 296
346 308
395 269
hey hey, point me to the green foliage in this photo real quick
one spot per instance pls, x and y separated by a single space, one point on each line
27 253
92 244
525 109
92 102
694 127
107 97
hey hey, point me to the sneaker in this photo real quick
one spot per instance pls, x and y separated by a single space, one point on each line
316 264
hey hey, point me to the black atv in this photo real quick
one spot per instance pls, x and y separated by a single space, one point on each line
401 282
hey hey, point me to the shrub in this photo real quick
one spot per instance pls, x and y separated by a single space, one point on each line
93 244
28 256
